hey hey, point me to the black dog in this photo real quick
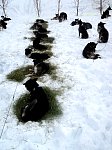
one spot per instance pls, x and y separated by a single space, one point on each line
82 31
106 13
38 102
62 16
40 35
103 33
41 68
89 51
35 55
86 25
56 17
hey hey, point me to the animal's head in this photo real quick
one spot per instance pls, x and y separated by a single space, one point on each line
101 25
31 84
93 45
109 8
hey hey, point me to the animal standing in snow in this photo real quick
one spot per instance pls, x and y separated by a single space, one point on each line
38 104
89 51
106 13
3 24
103 33
86 25
82 31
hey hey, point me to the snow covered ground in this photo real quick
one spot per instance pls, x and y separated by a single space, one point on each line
86 84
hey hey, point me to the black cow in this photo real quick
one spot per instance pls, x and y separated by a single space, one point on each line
38 103
62 16
103 33
89 51
82 31
106 13
86 25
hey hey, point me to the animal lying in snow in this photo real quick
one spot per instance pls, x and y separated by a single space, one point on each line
56 17
35 55
106 13
62 16
86 25
103 33
89 51
38 102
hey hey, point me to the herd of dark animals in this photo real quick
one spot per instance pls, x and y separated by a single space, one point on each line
38 103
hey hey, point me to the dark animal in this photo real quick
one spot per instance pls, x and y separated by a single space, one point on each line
56 17
82 31
41 68
89 51
36 42
42 30
35 26
5 18
31 85
106 13
3 24
35 55
41 35
37 45
38 103
41 21
62 16
103 33
86 25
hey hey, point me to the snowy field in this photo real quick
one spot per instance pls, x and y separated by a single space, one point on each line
86 99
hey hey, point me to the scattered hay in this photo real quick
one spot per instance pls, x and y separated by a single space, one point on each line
18 75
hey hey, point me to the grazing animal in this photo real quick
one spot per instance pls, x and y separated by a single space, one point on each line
103 33
62 16
106 13
86 25
38 103
82 31
89 51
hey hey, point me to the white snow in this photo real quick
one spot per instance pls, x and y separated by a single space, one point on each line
86 85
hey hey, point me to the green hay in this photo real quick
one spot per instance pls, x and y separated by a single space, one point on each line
43 40
48 40
18 75
55 109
